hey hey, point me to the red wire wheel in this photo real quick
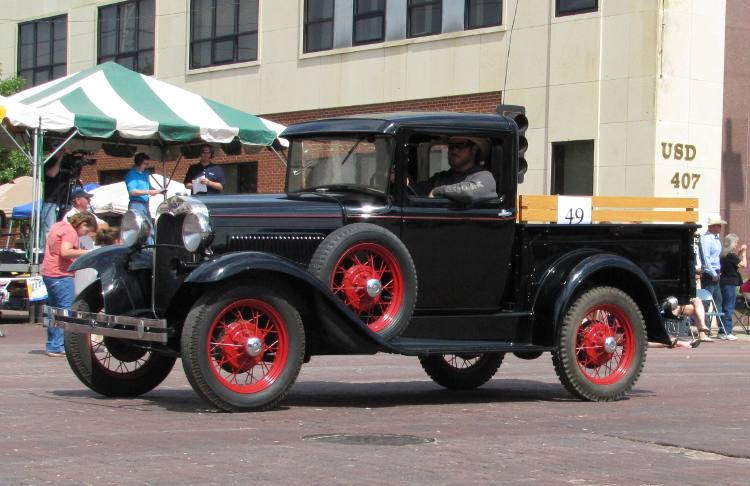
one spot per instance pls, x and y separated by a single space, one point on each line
248 346
605 344
601 347
368 279
370 270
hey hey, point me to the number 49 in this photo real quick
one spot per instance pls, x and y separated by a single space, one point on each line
685 180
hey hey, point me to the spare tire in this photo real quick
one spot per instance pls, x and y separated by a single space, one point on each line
371 271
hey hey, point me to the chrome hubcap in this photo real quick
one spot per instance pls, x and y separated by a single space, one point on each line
374 287
253 346
610 344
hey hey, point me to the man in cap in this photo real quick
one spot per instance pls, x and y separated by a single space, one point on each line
467 181
80 202
710 252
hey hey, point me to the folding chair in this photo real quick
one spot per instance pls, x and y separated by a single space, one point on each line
742 312
711 309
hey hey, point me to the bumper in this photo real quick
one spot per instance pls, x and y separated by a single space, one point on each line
125 327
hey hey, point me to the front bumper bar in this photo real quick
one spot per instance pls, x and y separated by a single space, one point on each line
125 327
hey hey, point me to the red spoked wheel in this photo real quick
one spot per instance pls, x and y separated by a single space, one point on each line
243 344
367 277
605 344
248 346
115 357
371 272
111 366
601 346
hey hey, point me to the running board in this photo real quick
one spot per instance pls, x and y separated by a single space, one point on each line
423 347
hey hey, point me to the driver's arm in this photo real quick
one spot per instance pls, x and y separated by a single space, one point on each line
477 187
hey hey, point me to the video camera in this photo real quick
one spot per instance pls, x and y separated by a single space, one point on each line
71 164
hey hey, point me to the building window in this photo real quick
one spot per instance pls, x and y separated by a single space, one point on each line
43 49
112 176
223 32
572 7
424 17
483 13
573 168
369 21
240 178
126 35
318 25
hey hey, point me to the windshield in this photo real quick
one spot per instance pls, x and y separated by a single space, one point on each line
340 163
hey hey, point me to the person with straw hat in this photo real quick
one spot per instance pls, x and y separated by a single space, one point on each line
710 252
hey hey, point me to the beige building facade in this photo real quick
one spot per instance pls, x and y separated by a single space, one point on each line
625 98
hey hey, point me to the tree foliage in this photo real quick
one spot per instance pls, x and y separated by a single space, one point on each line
12 162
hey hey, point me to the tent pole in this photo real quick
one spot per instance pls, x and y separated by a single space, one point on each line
282 159
36 209
60 147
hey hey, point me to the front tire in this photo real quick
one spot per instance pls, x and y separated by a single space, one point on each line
242 347
110 366
460 371
601 345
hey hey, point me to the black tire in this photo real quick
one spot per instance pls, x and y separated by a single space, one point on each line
601 345
461 372
337 262
228 374
110 366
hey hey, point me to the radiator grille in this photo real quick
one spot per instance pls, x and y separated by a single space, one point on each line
169 252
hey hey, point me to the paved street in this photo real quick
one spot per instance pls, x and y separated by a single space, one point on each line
685 423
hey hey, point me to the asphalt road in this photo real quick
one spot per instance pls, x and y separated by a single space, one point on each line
686 422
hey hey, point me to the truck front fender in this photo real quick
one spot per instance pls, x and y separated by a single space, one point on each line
584 269
344 328
123 277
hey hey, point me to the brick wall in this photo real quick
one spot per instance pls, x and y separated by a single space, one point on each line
271 170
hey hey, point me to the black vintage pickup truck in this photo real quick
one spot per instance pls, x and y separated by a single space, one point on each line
354 259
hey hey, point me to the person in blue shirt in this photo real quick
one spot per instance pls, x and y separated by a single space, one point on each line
138 183
206 173
710 252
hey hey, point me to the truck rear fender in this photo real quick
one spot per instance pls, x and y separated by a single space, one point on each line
320 309
578 271
123 278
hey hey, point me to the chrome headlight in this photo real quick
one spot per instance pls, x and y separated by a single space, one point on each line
134 228
196 231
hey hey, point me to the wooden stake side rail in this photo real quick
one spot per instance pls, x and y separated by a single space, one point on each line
615 209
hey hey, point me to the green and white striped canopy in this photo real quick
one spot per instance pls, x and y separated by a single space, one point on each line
111 101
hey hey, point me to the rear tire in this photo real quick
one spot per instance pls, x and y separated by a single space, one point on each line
243 346
461 372
601 345
111 366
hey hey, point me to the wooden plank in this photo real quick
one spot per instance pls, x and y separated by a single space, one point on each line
644 202
625 216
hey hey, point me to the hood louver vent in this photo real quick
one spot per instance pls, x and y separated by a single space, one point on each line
298 247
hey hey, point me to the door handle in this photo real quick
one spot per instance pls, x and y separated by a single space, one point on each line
505 213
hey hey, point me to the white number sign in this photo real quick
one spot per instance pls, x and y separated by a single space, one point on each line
573 210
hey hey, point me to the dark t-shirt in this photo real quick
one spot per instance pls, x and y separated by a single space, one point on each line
53 185
730 273
212 171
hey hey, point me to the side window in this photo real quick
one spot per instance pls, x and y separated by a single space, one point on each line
443 160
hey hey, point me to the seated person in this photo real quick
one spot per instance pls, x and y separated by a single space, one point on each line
696 310
467 181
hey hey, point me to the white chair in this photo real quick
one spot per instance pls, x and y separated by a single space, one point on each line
711 309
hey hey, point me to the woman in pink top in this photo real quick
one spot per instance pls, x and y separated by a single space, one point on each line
60 251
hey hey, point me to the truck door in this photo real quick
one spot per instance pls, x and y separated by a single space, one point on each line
461 252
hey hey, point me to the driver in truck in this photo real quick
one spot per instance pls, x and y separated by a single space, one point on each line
467 181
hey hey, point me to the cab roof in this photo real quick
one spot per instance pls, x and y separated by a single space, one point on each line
390 123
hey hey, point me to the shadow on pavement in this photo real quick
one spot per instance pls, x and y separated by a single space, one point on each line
347 395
